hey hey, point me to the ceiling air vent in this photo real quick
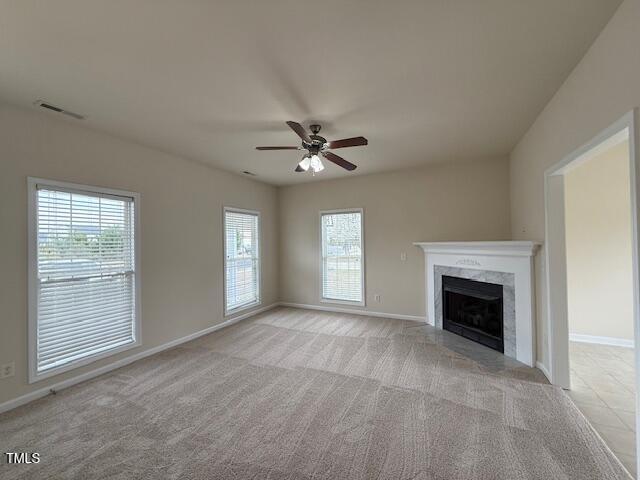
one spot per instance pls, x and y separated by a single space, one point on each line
53 108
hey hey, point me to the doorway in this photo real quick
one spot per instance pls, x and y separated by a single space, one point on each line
600 293
591 244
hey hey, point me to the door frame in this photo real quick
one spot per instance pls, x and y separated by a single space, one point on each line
555 250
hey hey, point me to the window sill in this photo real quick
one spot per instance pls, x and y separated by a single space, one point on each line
242 308
343 302
36 377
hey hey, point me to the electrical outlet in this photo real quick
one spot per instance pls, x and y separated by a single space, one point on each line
376 297
8 370
403 257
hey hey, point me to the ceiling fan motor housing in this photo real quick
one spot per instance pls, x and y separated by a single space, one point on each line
317 143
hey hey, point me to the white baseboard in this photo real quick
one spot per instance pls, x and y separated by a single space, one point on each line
328 308
614 341
543 368
31 396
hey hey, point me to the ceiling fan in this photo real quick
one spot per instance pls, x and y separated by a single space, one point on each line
316 145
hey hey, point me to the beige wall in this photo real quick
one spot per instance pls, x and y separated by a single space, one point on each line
182 272
181 221
465 201
601 89
598 239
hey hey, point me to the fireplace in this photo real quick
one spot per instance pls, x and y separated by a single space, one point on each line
509 264
473 310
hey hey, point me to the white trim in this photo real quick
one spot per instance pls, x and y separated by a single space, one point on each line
42 392
613 341
241 308
32 280
82 188
501 248
607 144
229 313
634 167
327 308
555 244
542 367
334 301
555 267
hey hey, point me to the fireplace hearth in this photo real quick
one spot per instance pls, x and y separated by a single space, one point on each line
473 310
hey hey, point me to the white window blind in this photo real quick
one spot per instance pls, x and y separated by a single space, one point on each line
342 271
242 259
85 275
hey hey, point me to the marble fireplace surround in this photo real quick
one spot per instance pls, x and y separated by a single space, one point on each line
507 263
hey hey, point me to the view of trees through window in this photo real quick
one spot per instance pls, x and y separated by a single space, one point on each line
86 277
342 256
110 241
83 235
242 261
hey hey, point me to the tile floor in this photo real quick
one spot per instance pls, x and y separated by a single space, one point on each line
603 388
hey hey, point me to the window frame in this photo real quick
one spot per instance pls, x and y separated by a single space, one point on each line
227 312
32 275
323 299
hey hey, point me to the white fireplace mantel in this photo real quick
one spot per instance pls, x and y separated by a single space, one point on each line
513 258
503 248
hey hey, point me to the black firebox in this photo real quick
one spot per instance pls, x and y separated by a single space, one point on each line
474 310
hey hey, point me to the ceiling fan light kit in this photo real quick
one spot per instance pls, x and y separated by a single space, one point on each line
316 164
316 146
305 163
312 162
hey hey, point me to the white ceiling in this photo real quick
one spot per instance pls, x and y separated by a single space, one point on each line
424 81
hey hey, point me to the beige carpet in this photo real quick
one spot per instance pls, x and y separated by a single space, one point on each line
298 394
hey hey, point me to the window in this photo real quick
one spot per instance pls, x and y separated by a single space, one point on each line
342 250
83 275
241 259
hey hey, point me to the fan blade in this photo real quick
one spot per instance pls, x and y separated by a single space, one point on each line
298 169
348 142
278 148
299 129
332 157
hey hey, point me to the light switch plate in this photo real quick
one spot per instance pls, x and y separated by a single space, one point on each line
8 370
